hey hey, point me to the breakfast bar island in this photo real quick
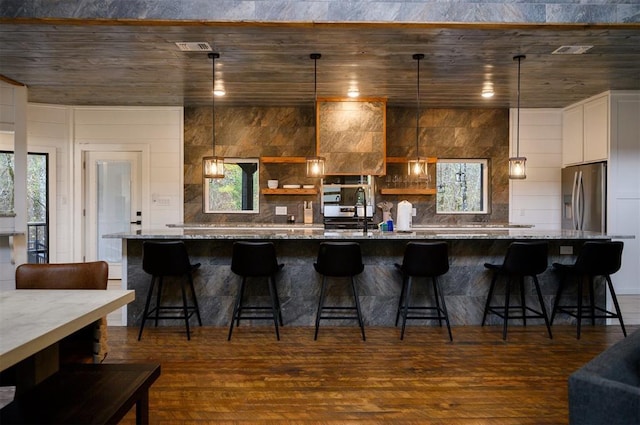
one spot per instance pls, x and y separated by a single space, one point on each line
465 286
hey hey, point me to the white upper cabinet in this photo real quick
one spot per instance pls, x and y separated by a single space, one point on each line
572 135
585 131
596 129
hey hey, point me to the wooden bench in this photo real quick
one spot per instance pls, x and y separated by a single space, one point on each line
85 394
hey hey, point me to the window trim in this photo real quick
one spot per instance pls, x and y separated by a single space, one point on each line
486 203
205 190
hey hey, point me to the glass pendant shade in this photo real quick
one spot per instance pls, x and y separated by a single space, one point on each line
417 167
518 167
315 166
213 167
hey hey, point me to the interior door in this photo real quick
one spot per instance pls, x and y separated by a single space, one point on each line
112 204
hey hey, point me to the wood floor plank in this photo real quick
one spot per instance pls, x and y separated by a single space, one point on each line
340 379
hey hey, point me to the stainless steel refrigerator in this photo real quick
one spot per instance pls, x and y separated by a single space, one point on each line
584 197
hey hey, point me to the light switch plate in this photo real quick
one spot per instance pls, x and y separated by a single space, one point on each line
414 212
281 210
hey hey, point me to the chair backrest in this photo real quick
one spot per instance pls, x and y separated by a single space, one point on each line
90 275
526 258
253 259
425 259
599 258
339 259
165 258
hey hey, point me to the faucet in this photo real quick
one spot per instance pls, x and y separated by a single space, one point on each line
361 197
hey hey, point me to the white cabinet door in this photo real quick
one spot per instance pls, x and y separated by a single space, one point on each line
596 130
572 135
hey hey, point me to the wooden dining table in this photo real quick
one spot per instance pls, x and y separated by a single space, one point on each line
33 321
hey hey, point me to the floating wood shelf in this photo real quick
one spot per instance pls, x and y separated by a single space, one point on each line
404 160
313 191
283 159
406 191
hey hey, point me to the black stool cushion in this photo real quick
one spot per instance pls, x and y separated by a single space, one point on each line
524 258
596 258
166 258
339 259
425 259
254 259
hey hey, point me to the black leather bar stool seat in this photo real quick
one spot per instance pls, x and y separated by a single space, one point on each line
162 259
256 259
596 258
341 260
522 259
429 260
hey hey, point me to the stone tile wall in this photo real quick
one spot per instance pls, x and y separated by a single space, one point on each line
275 131
462 11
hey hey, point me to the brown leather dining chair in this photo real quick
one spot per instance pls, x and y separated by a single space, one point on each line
87 345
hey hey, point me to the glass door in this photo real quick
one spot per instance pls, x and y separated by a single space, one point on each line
112 204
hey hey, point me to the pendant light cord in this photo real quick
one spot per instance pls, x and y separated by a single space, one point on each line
213 57
519 58
518 120
417 107
315 57
418 57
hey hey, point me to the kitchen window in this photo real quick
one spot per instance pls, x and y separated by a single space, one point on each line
462 186
237 192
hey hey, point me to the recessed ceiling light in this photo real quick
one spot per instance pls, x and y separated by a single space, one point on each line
487 93
353 93
571 50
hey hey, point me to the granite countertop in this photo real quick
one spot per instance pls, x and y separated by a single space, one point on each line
316 231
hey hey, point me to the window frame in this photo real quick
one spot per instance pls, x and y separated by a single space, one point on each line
485 183
205 189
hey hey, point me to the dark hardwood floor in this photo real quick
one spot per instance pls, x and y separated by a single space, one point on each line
339 379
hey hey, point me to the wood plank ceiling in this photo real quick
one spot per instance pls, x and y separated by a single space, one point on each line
260 64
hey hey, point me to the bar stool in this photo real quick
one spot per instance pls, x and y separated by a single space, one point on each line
161 259
255 259
342 260
423 259
522 259
596 258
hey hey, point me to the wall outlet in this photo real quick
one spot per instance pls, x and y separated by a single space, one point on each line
281 210
414 212
566 250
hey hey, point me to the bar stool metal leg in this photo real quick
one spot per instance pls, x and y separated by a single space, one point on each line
320 304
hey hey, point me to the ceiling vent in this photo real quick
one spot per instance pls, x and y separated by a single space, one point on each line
199 46
571 50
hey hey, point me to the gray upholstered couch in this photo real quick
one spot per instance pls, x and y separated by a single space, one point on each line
607 389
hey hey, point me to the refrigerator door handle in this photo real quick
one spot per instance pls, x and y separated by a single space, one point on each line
580 201
574 203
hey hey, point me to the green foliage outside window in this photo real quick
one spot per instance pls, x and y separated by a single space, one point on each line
461 186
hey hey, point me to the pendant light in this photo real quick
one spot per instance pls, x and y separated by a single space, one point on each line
315 164
417 167
518 164
213 166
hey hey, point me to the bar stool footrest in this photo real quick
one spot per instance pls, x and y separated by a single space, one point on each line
499 311
573 311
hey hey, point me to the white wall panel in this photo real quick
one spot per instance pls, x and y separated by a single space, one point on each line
156 130
536 200
49 127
